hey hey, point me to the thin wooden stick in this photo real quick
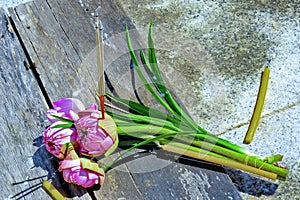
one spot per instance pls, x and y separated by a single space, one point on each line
258 106
116 108
100 65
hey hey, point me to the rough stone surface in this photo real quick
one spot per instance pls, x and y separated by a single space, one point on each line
239 38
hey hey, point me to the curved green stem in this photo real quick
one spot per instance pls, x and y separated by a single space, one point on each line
258 106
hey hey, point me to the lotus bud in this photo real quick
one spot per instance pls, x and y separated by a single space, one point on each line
66 108
96 135
80 171
55 138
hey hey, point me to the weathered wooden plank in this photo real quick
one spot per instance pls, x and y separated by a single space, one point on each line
59 36
23 165
50 48
189 182
58 73
61 71
162 175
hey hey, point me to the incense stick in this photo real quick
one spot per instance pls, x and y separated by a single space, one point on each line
100 64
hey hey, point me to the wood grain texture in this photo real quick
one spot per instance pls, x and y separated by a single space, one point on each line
59 63
22 121
60 38
161 175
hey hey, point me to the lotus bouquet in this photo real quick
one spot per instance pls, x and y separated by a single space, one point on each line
78 133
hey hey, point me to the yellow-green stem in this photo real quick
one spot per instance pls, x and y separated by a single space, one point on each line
171 147
258 106
253 161
52 191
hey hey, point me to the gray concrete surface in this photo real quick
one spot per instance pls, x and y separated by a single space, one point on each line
11 3
238 39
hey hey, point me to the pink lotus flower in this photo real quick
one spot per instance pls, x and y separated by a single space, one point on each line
80 171
66 108
94 140
55 138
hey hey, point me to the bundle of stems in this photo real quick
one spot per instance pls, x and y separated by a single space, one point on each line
174 130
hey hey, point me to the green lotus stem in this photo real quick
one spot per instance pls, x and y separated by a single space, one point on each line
152 57
195 153
178 132
273 158
224 143
254 161
145 142
148 86
164 141
207 137
164 129
202 146
160 82
161 88
134 129
142 77
144 110
154 94
245 157
184 146
143 136
157 123
141 119
128 130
